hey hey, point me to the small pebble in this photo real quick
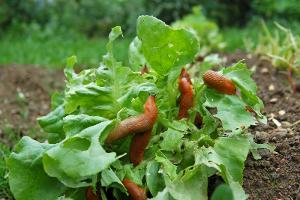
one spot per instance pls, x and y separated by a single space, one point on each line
271 87
281 112
264 70
273 100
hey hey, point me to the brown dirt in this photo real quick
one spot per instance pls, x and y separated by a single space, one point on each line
18 114
275 176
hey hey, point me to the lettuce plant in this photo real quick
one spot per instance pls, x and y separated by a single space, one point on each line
180 157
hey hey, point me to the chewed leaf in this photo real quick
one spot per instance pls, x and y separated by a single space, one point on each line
26 174
154 178
241 75
163 46
231 110
227 156
168 167
171 140
191 186
77 159
255 147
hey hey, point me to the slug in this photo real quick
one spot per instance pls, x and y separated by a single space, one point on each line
219 82
90 195
135 192
186 98
136 124
138 145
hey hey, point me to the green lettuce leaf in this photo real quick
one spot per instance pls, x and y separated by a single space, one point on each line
73 124
241 76
27 178
192 185
53 124
164 47
172 140
228 156
231 110
154 178
135 55
222 192
77 160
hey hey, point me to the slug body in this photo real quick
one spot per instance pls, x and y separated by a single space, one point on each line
136 124
138 145
90 195
135 192
186 100
141 139
219 82
144 70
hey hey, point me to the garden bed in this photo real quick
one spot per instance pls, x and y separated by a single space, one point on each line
275 176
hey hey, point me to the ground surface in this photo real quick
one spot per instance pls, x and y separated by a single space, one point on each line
24 95
274 177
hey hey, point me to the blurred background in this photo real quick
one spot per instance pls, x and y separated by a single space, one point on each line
45 32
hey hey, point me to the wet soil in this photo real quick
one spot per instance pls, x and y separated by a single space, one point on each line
24 95
275 176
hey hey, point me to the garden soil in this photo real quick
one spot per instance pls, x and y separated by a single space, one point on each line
276 176
25 95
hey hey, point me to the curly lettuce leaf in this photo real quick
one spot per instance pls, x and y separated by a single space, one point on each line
106 90
53 124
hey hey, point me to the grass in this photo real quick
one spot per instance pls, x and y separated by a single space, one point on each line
51 51
4 187
235 37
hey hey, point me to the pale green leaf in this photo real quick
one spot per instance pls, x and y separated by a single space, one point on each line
154 178
53 124
77 160
222 192
163 46
231 110
27 178
172 140
191 186
135 55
